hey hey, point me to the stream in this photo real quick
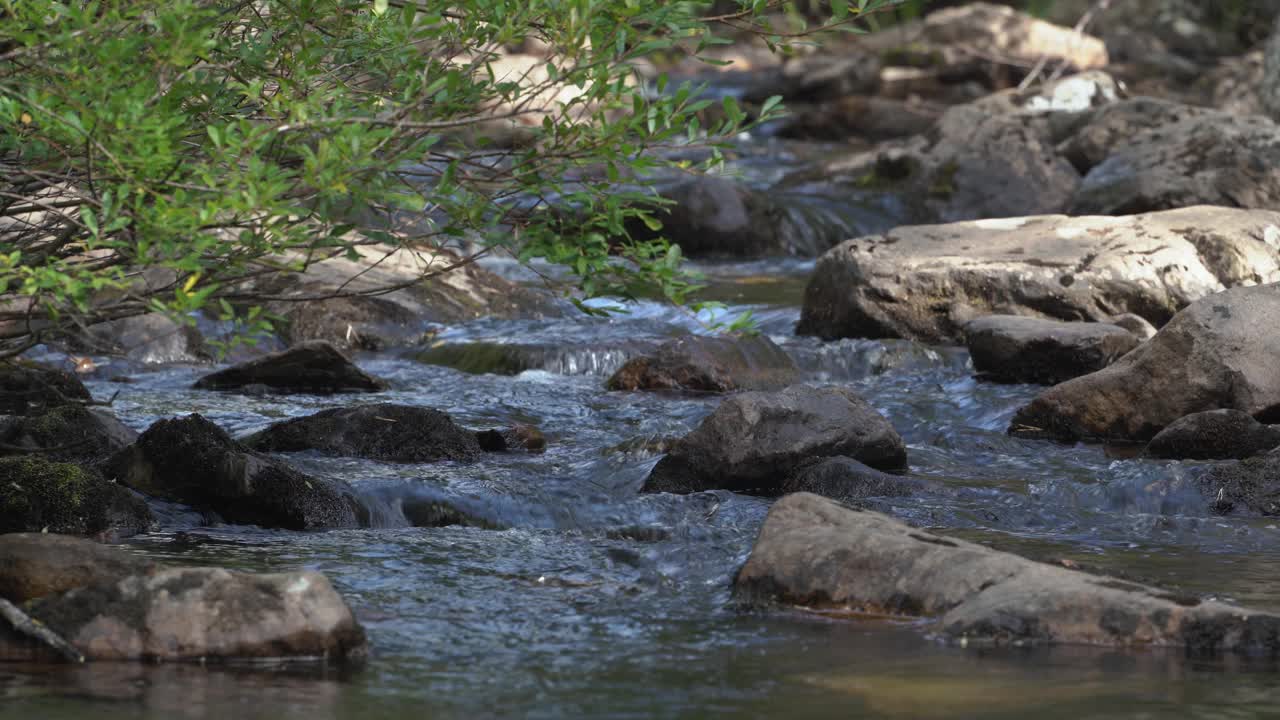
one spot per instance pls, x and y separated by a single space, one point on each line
600 602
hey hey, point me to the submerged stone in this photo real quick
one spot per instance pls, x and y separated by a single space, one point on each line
816 552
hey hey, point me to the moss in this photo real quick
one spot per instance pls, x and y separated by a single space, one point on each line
36 493
943 183
888 173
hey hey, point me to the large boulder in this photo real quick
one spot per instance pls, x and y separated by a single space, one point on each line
395 433
192 461
28 388
71 433
37 494
1211 159
709 364
199 614
309 367
754 440
816 552
1113 126
1016 349
974 163
33 565
1217 353
926 282
1214 435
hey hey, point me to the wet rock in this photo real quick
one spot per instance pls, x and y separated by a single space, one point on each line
434 513
394 433
848 480
709 364
925 282
1210 356
1215 159
37 494
202 614
1251 485
311 367
70 433
192 461
150 338
816 552
480 358
1016 349
356 323
518 437
754 440
1135 324
1214 435
28 388
33 565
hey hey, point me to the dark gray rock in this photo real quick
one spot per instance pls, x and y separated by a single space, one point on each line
309 367
71 433
37 494
395 433
1017 349
1212 355
847 480
28 388
1214 435
1134 323
1213 159
754 440
1251 485
709 364
192 461
815 552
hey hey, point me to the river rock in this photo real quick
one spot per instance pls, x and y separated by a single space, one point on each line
813 551
1113 126
201 614
27 388
1213 159
1016 349
1214 435
818 76
1134 323
498 358
395 433
715 216
1215 354
1011 35
1251 485
709 364
192 461
848 480
869 118
925 282
37 494
33 565
310 367
71 433
754 440
518 437
1269 92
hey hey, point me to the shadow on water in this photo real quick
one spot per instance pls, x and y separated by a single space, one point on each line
572 595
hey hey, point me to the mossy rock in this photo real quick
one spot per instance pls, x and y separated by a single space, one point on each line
28 388
484 358
71 433
38 494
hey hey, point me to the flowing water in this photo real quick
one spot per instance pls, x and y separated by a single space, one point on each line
601 602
